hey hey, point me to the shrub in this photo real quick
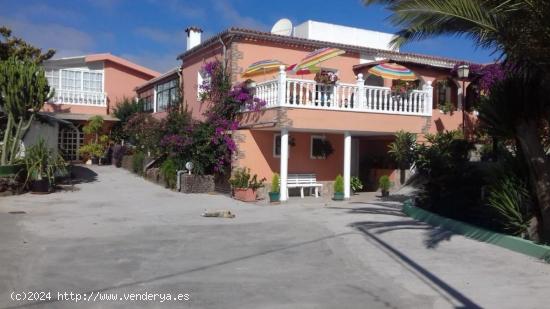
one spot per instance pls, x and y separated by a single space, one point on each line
144 131
243 180
511 200
42 162
124 110
168 171
402 149
94 126
138 161
339 184
384 183
356 184
275 185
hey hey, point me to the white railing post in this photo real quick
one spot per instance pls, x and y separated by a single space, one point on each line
281 98
428 102
360 95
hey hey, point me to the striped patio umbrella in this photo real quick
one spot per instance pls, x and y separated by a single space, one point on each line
304 71
318 56
262 67
393 71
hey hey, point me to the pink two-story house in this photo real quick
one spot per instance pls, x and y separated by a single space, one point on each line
357 116
86 86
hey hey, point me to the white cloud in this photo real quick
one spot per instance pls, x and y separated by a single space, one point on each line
66 40
235 18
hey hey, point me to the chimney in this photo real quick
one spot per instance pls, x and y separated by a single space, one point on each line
193 36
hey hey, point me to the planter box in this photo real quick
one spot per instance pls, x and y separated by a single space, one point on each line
338 196
11 170
245 195
197 183
274 197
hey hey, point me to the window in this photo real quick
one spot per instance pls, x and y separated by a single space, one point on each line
92 81
71 80
318 147
167 95
201 80
277 145
75 80
53 78
146 98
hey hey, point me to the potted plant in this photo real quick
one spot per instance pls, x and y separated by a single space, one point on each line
339 188
42 165
23 91
244 186
275 194
95 149
91 151
356 184
384 183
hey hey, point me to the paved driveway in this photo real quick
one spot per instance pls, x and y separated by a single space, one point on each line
120 234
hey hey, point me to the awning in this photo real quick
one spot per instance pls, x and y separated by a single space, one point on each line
79 117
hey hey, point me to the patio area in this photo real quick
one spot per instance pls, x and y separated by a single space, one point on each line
117 233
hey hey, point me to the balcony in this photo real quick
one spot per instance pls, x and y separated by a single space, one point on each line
308 94
79 97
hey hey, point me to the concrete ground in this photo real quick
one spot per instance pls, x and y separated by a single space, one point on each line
120 234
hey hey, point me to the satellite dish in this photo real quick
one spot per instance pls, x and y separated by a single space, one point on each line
282 27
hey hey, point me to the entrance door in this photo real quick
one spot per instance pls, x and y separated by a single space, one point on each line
70 140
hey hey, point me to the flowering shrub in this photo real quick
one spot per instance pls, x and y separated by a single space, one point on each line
484 76
403 88
144 131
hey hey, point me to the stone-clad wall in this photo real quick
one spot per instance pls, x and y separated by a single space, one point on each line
197 183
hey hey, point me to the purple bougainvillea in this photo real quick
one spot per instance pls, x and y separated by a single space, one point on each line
484 76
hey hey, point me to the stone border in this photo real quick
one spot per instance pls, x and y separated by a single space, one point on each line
505 241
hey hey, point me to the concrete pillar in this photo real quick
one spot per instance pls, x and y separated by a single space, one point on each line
347 165
284 164
360 96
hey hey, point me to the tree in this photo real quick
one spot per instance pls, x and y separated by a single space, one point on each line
94 126
23 91
402 150
520 31
18 48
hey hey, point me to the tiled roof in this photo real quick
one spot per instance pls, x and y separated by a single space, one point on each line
241 33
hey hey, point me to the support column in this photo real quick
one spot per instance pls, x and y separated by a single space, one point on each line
347 165
284 164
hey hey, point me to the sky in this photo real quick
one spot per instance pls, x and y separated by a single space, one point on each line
152 32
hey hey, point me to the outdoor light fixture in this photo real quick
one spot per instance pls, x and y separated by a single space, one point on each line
463 71
189 166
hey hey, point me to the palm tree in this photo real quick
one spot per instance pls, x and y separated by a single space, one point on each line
519 30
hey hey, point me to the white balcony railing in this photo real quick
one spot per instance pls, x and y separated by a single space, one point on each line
79 97
299 93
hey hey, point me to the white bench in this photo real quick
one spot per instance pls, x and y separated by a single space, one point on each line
303 181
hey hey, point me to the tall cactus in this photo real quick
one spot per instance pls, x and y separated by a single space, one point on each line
23 91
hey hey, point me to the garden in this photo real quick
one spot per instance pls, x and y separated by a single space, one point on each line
182 153
498 192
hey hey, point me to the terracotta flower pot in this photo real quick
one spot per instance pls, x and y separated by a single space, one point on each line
244 194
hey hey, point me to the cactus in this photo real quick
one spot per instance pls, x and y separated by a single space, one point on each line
23 91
